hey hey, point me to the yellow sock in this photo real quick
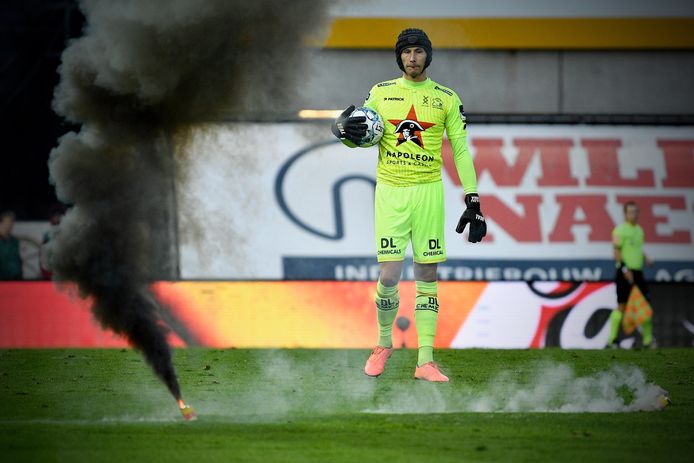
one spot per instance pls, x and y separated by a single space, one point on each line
387 303
425 315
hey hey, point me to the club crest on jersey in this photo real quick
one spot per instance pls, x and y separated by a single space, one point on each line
410 129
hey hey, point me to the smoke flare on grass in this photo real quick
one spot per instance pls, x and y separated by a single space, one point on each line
143 75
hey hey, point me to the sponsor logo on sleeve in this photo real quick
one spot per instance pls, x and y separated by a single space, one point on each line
447 92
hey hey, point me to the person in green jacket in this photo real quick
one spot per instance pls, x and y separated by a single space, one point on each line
627 240
10 260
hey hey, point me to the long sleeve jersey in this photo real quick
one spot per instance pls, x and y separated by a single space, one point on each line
415 115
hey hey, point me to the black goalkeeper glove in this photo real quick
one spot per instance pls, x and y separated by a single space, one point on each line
473 216
350 128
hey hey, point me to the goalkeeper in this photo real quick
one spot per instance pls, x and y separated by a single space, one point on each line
409 203
627 240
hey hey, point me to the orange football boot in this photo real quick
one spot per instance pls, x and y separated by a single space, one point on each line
377 360
430 372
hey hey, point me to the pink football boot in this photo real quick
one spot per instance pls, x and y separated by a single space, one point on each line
377 360
430 372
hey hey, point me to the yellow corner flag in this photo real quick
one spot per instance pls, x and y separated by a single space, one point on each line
637 311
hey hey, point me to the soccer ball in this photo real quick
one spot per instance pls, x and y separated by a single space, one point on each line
374 126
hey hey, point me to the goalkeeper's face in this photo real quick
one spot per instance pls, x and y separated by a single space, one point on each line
413 60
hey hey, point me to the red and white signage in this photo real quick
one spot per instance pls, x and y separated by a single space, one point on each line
285 201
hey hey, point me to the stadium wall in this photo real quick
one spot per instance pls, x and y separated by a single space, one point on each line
619 57
341 315
642 82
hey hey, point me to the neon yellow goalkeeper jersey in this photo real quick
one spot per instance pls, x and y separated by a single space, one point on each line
415 115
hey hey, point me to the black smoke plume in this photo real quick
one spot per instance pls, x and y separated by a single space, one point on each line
145 74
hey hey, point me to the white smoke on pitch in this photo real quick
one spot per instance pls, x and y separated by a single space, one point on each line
333 382
552 388
285 388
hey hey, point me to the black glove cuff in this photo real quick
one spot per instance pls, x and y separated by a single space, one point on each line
336 131
337 127
472 201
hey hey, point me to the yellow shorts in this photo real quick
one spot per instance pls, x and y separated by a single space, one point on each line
410 213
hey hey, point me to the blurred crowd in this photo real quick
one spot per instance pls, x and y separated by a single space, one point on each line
10 259
11 263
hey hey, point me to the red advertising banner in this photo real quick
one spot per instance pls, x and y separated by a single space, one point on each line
325 314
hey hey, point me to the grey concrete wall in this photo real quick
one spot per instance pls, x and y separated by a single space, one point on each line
628 83
518 82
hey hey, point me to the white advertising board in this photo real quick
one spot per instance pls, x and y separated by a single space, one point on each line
288 201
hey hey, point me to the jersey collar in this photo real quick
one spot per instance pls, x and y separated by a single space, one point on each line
410 84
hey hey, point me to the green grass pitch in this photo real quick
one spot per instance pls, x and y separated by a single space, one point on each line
317 405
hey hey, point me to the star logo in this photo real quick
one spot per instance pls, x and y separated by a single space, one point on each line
409 129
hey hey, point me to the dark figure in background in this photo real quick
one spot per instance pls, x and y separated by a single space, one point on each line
10 260
57 213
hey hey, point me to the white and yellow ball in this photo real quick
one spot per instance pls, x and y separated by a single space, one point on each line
374 126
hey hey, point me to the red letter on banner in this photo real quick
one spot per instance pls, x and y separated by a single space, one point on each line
604 166
593 206
488 157
649 221
554 158
679 163
523 228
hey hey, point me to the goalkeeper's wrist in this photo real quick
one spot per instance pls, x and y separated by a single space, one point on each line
620 265
472 201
